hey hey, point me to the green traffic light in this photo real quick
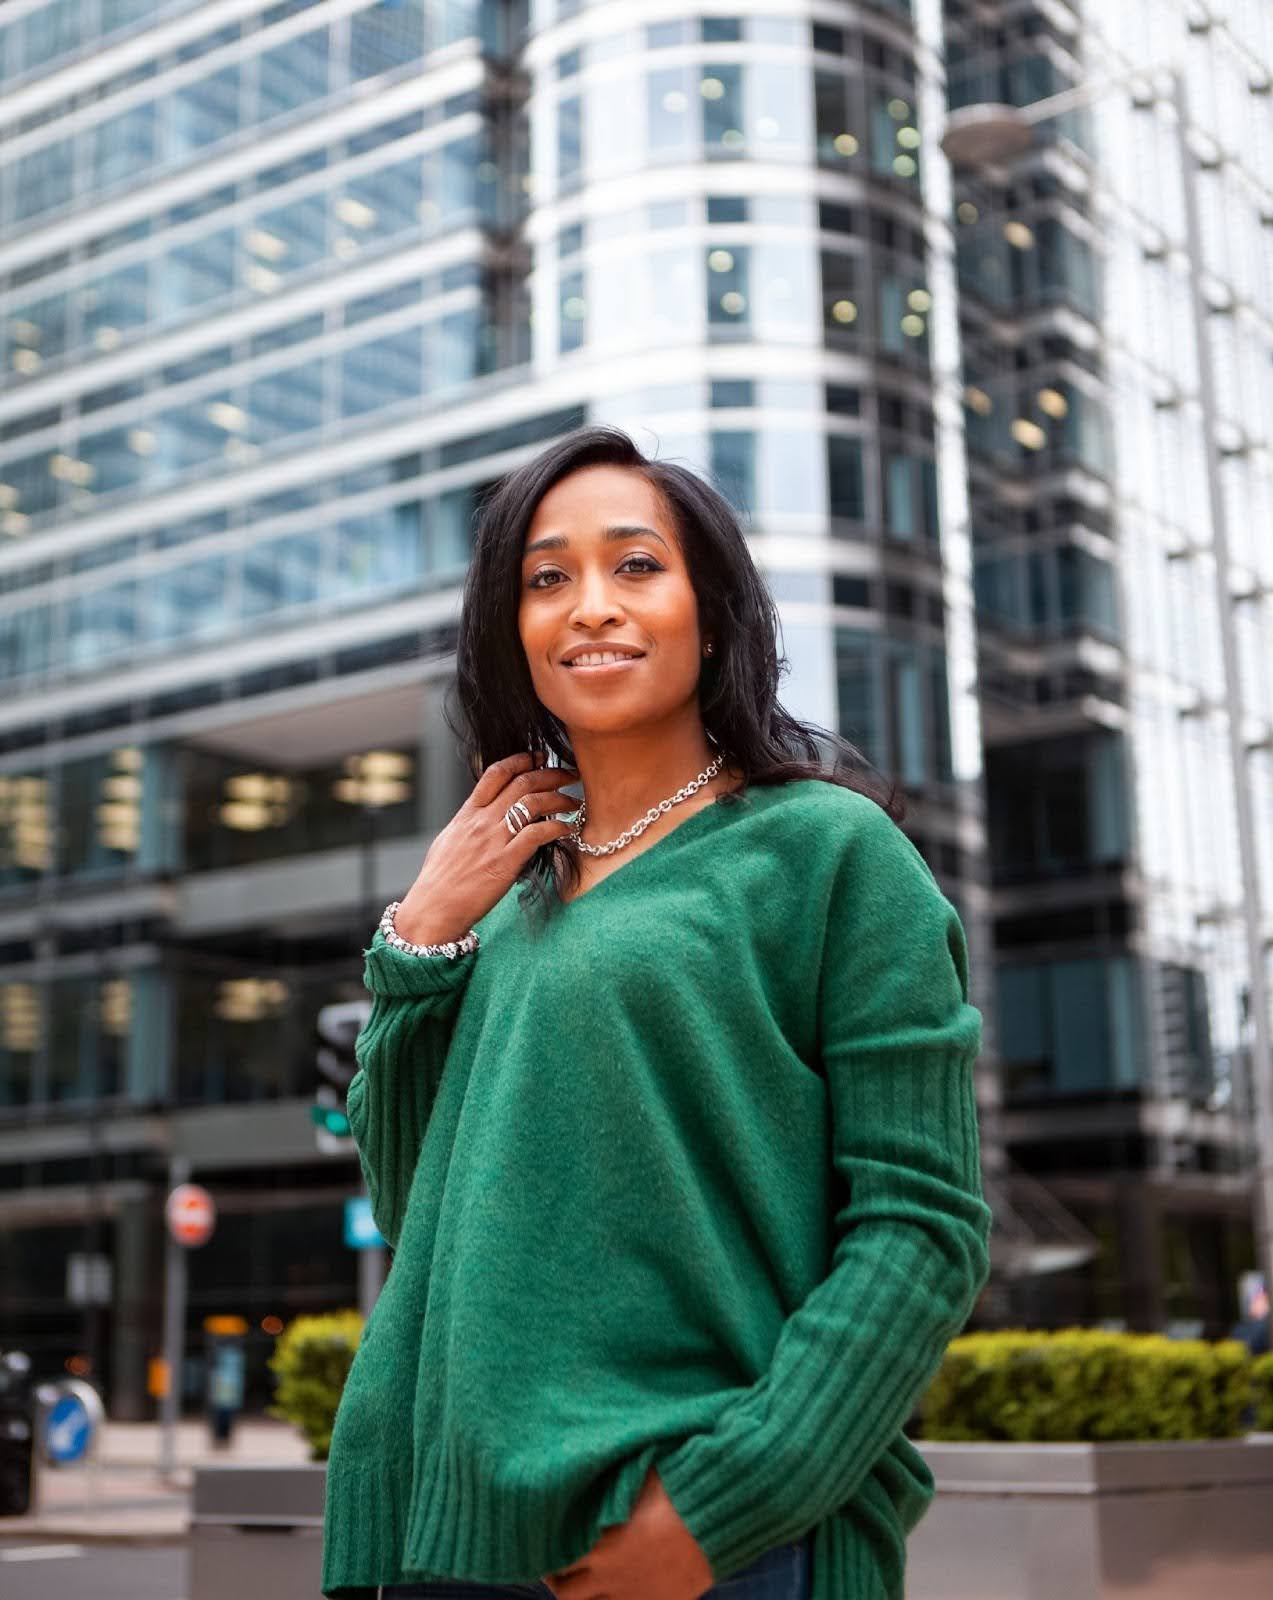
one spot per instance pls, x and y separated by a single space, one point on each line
336 1122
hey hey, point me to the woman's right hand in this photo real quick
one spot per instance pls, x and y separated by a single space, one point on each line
474 861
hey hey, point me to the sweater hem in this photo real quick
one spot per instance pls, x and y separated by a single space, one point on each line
377 1532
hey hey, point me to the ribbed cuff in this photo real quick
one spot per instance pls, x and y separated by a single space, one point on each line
392 972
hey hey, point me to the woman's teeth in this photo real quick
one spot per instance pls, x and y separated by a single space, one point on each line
599 658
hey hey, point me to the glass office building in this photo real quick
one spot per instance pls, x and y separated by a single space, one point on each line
1116 430
283 288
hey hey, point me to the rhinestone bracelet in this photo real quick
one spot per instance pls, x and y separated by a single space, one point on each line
458 947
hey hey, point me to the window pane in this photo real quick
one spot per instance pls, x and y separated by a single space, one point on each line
669 102
728 290
721 94
857 691
293 75
846 495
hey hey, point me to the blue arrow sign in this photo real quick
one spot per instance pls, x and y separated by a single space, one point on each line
68 1432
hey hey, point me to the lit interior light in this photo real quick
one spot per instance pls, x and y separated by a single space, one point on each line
912 326
115 1007
355 212
128 758
15 523
574 308
720 260
899 110
26 361
8 497
261 278
967 212
711 88
1018 235
262 243
25 331
1053 402
528 183
69 470
908 138
978 400
429 210
733 139
768 127
1029 434
733 302
675 100
919 300
142 441
844 311
106 337
250 999
904 166
224 415
846 144
487 172
240 450
345 248
19 1017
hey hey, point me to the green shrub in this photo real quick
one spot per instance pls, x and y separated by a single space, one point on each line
1083 1384
311 1359
1262 1393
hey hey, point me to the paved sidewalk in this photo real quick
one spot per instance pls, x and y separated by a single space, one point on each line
121 1497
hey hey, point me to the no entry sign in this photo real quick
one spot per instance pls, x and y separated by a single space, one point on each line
190 1214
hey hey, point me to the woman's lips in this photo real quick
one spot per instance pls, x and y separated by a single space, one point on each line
602 669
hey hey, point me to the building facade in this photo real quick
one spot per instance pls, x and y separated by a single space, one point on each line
283 288
1119 439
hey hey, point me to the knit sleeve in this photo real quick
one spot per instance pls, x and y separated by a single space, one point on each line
400 1053
911 1229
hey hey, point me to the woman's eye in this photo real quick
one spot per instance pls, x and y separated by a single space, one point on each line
641 563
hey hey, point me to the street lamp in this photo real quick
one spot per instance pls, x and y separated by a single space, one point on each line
987 135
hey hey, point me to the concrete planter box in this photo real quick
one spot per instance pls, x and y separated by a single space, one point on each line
257 1531
1176 1521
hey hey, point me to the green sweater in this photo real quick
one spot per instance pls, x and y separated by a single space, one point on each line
686 1175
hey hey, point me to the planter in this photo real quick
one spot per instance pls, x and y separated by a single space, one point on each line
1191 1520
257 1531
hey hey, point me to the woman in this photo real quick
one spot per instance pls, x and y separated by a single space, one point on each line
664 1104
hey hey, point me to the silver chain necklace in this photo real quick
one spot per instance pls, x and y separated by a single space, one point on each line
652 815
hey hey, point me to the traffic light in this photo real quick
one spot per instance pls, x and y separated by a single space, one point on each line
337 1027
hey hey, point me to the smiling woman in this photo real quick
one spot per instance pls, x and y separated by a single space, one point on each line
665 1107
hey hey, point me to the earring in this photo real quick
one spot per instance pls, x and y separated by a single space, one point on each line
708 648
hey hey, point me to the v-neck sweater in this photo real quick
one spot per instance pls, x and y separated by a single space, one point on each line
684 1174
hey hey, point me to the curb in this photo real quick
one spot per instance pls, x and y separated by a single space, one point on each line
72 1535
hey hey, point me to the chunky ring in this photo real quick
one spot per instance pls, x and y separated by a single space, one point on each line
516 826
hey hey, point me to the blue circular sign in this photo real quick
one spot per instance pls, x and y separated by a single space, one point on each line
68 1429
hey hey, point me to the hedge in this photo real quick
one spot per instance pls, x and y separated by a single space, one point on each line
1262 1384
1084 1384
311 1359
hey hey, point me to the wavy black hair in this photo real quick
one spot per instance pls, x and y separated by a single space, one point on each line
491 705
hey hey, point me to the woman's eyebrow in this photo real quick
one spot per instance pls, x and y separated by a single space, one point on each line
614 532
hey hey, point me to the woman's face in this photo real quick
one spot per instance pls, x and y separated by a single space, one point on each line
603 572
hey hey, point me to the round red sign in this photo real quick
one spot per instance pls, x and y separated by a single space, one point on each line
190 1214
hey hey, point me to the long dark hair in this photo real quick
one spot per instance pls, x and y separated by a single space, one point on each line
493 710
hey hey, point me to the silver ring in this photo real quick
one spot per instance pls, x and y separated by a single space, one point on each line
515 827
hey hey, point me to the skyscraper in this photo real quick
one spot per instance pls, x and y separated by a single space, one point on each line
1117 365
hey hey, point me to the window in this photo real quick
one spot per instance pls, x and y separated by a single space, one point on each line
728 301
572 313
720 91
1070 1027
569 141
841 308
858 691
734 468
846 491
